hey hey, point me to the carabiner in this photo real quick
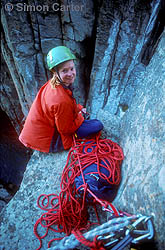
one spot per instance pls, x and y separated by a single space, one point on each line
133 226
147 234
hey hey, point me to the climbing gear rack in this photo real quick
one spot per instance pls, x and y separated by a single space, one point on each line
115 234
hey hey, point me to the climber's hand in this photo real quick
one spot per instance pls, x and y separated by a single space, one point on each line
84 110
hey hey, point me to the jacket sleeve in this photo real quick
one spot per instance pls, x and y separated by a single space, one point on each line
65 118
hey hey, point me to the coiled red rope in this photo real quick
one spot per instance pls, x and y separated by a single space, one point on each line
67 212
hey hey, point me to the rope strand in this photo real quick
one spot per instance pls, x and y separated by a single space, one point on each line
67 212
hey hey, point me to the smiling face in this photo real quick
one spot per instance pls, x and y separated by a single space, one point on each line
67 72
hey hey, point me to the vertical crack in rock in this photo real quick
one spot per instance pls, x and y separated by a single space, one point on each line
17 83
89 45
15 120
153 31
110 67
61 22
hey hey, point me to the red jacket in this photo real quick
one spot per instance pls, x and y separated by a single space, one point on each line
51 107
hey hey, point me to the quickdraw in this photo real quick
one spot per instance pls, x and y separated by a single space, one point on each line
115 234
139 229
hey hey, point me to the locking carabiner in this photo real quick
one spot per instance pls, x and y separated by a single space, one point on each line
145 234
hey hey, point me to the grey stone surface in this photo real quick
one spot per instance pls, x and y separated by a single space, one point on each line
2 204
42 176
141 134
3 193
142 137
122 32
9 101
4 197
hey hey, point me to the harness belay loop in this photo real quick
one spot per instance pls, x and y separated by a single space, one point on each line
91 174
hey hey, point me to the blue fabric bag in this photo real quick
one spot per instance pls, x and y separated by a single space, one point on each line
99 186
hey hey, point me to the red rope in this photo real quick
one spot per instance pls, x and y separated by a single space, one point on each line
94 245
67 211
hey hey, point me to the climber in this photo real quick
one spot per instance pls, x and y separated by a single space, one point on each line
54 116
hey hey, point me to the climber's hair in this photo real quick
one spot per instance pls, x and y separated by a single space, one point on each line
54 81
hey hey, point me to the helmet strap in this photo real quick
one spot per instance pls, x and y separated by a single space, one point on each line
61 81
59 77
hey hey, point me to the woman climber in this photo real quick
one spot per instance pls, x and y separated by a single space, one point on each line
54 116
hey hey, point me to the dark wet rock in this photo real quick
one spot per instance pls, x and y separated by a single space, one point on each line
14 156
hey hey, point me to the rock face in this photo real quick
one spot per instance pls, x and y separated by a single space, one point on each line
5 197
121 75
29 34
36 181
122 33
142 136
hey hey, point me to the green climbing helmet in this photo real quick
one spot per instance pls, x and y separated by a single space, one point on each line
59 55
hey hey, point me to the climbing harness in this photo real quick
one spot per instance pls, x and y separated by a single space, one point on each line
89 162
